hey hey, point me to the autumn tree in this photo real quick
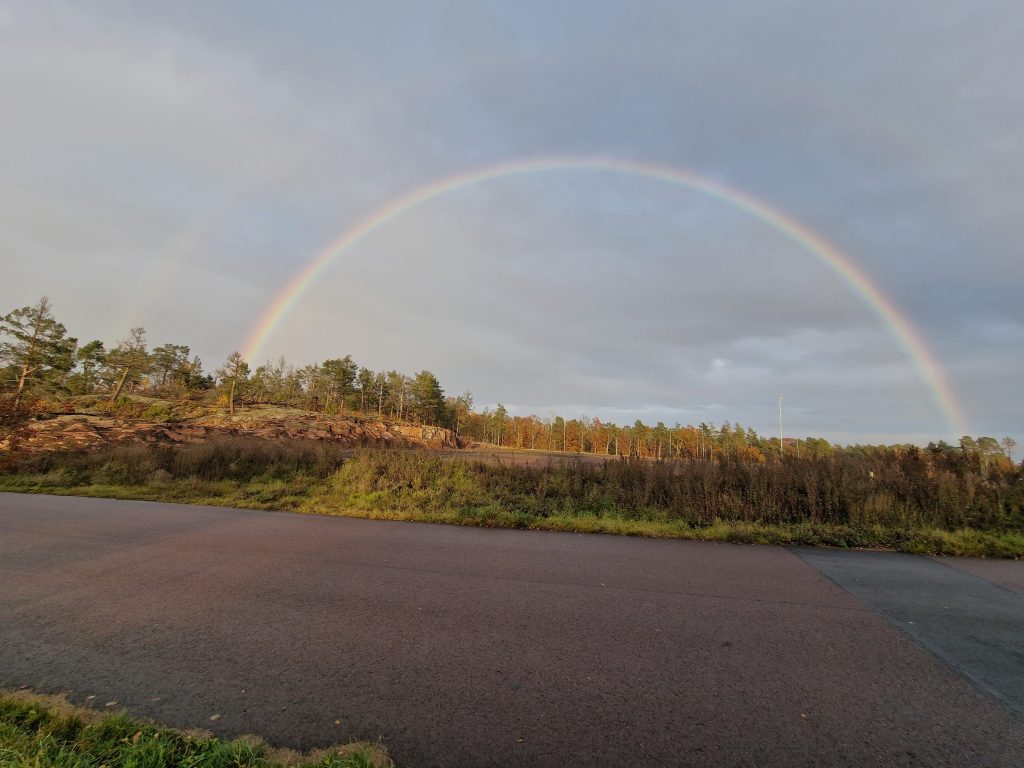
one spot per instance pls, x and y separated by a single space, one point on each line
232 374
397 393
572 436
598 437
36 346
461 406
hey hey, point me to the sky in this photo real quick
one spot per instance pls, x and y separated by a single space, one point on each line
176 165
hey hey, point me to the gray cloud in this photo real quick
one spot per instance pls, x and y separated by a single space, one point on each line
175 166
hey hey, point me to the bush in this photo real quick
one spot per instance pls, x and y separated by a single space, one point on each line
831 491
230 459
837 493
159 411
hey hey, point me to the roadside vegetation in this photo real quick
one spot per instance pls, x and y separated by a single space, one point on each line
910 500
47 732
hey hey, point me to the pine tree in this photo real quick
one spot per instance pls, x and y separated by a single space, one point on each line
130 359
90 358
37 345
427 398
234 372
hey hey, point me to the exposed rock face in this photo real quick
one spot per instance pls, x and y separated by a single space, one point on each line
81 432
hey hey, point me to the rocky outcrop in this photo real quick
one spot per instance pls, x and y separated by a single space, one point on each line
86 432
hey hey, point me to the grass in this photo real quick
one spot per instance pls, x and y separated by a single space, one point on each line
46 731
965 542
730 504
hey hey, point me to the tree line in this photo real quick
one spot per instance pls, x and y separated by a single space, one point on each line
39 359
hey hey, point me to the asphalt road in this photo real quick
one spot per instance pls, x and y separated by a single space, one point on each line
976 626
466 647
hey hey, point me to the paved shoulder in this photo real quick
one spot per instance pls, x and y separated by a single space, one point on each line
976 626
1004 573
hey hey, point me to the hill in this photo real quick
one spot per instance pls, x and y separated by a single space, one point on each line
83 426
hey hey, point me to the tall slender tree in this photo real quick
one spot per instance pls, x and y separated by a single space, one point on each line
461 406
129 360
1008 444
232 374
380 386
365 382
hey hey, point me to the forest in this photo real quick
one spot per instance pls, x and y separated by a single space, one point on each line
42 364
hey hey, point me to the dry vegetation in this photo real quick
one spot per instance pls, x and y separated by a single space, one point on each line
907 500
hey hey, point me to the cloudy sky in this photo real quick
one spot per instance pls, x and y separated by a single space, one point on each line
174 165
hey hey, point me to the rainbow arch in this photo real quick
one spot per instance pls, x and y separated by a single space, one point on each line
897 323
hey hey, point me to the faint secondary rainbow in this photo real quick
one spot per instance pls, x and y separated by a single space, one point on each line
900 327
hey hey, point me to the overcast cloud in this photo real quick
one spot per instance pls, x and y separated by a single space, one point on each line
173 165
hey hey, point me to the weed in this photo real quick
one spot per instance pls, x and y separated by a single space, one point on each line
835 501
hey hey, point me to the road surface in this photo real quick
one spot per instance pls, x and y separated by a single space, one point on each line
474 647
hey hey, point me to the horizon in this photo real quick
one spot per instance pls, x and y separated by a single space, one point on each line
180 168
570 413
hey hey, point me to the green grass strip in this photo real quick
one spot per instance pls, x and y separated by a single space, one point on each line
318 497
46 732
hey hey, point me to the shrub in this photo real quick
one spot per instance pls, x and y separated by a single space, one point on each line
840 492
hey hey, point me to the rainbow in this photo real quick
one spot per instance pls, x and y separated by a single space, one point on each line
899 326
